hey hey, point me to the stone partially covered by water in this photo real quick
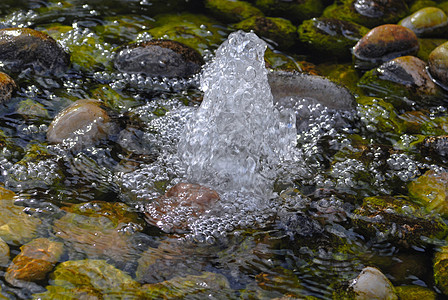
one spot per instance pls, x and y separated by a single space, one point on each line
235 139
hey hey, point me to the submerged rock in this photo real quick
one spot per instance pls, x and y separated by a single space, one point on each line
438 64
428 21
384 43
180 204
397 220
330 35
280 31
36 259
81 124
22 48
372 284
159 58
232 11
89 279
401 80
7 87
369 13
415 292
16 227
296 11
431 190
4 253
287 87
440 268
31 109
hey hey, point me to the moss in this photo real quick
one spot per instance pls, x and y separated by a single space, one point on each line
113 99
426 47
392 12
344 74
197 31
430 190
32 109
232 11
380 114
279 30
122 29
331 36
397 220
296 11
441 269
415 292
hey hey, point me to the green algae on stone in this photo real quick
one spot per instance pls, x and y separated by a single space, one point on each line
296 11
415 292
123 29
196 31
431 191
343 74
440 268
4 253
278 61
206 284
370 14
428 21
438 64
279 30
380 114
16 227
99 230
419 4
31 109
36 259
90 278
7 87
400 81
397 220
427 45
114 99
331 36
232 11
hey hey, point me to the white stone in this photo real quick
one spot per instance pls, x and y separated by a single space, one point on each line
371 284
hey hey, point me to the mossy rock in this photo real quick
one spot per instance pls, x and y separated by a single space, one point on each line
427 45
196 31
204 285
380 114
371 15
89 278
331 36
344 74
123 29
431 191
33 110
397 220
116 100
427 22
278 61
16 227
415 292
232 11
440 268
419 4
296 11
55 30
279 30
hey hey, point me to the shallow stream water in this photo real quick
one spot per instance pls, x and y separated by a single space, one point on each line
302 242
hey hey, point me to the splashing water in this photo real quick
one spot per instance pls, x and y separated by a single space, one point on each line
236 138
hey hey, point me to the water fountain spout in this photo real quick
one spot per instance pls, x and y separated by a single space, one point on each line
236 138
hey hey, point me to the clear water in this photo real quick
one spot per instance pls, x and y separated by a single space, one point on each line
273 233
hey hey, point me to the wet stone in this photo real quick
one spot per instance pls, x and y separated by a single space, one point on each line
441 269
4 253
296 11
22 48
438 64
384 43
397 220
415 292
428 21
35 261
435 147
7 87
89 279
431 190
279 30
158 58
82 123
330 35
372 284
182 203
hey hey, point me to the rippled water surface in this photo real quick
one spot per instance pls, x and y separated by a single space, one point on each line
304 242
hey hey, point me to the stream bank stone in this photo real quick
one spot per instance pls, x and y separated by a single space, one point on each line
36 259
232 11
384 43
426 22
7 87
158 58
22 48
